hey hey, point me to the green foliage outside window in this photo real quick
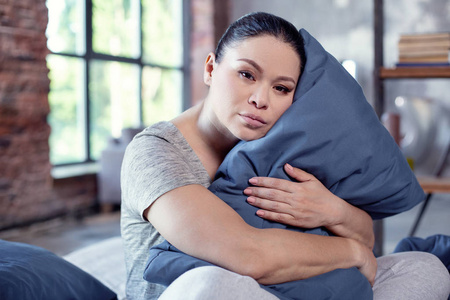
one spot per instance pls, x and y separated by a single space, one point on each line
161 90
66 117
65 30
163 40
113 90
115 27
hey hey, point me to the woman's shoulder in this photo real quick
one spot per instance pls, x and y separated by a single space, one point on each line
160 129
160 141
159 159
161 134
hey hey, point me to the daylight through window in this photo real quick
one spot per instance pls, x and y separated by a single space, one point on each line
113 64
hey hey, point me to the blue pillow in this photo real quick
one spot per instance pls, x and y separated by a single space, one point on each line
332 132
30 272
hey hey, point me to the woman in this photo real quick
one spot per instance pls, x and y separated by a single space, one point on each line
252 82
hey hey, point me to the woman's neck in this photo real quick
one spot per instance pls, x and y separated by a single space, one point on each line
211 144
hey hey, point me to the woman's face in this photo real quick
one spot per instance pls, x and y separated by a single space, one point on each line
252 86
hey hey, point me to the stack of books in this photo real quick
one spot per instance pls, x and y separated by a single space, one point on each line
428 49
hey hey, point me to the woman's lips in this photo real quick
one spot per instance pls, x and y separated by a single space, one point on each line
253 120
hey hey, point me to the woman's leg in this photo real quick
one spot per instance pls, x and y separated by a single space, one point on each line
406 275
215 283
411 275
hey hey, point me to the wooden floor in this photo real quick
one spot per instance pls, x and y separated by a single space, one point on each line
65 235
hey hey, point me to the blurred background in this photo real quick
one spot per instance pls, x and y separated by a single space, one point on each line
78 78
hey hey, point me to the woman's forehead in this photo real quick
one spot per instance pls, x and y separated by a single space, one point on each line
267 51
261 44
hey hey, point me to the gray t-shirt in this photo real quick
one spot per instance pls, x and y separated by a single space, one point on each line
158 160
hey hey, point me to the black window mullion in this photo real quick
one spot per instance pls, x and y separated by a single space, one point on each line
186 19
88 57
108 57
141 67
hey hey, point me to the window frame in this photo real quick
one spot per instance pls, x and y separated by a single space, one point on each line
90 55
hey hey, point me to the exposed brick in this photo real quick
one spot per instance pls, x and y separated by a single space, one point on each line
202 42
26 185
5 142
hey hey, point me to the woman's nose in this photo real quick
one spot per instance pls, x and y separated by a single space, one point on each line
260 98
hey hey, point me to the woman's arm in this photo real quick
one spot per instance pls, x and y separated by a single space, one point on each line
200 224
308 204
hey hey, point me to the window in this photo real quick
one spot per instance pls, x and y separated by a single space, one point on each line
113 64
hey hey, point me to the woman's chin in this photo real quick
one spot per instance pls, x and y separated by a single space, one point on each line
250 135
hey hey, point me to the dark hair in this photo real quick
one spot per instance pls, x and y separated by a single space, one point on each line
261 23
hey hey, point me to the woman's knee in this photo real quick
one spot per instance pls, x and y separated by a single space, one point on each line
433 268
215 283
420 262
416 274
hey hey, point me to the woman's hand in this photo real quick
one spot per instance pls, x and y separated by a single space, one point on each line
308 204
368 263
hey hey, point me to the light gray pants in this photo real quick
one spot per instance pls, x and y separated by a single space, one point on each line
406 275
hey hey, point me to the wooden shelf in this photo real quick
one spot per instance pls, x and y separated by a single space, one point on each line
434 185
415 72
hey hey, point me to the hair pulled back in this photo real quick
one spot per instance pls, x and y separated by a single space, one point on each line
257 24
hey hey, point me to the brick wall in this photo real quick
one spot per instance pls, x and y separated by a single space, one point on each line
209 19
25 180
202 42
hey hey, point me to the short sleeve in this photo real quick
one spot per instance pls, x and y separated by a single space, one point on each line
155 164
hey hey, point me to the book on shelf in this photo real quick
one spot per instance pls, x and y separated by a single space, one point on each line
424 37
422 64
424 44
437 51
425 59
427 49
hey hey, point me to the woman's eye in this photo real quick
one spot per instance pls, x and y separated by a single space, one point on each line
246 75
282 89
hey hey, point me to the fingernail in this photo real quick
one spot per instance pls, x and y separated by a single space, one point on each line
248 191
260 213
289 167
253 180
251 200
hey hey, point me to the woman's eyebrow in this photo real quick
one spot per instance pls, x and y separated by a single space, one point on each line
253 63
286 78
259 69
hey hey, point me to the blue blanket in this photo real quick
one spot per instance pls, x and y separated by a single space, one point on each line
332 132
438 244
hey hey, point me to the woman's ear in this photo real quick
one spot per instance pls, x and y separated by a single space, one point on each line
209 67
